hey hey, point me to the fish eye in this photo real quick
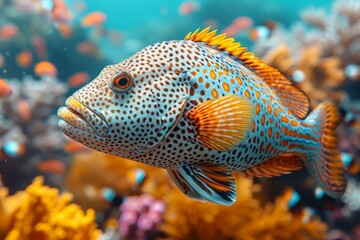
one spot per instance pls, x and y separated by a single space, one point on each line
121 82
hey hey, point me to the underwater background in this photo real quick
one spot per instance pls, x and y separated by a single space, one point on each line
55 188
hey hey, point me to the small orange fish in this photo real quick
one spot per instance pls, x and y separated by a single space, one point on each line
5 89
93 19
24 59
24 110
72 146
87 48
65 30
8 31
60 12
188 7
241 23
39 46
78 79
53 166
45 68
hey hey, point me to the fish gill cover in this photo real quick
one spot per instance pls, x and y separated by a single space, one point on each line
48 49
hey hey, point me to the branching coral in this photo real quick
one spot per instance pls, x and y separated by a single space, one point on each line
28 119
41 213
317 55
185 218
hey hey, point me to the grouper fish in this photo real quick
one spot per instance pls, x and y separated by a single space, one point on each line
203 108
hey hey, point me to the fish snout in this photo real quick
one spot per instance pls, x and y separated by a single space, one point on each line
82 117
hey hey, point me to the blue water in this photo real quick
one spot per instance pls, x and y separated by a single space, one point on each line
147 22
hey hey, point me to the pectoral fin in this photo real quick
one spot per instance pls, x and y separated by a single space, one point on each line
222 123
207 181
183 185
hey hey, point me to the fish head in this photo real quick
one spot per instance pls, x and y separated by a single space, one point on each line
130 107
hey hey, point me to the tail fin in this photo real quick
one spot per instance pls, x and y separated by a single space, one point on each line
325 165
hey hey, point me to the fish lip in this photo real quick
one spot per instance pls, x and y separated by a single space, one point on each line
85 118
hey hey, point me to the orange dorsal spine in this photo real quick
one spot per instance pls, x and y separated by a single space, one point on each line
291 96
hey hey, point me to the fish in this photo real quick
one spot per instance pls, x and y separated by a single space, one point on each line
60 12
5 89
9 31
94 19
203 108
238 24
45 68
24 110
24 59
53 166
38 44
290 197
88 48
188 7
13 149
78 79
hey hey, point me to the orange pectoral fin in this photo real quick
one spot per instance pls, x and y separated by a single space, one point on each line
276 166
222 123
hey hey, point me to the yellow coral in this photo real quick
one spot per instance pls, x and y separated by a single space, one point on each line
44 214
246 219
92 171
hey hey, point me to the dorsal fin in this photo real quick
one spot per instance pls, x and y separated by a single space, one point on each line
291 96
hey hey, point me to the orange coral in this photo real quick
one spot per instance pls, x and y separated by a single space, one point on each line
41 213
186 218
93 171
321 75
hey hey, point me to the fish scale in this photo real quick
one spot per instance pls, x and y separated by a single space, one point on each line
203 108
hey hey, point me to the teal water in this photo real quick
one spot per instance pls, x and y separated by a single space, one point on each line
147 22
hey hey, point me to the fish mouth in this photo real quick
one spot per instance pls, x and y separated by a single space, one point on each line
79 116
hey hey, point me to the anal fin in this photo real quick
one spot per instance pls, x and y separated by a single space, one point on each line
206 182
276 166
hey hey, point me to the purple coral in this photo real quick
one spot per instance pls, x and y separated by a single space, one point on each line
140 216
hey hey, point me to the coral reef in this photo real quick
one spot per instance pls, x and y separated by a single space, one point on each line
320 54
317 53
28 120
86 180
39 32
185 218
40 212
